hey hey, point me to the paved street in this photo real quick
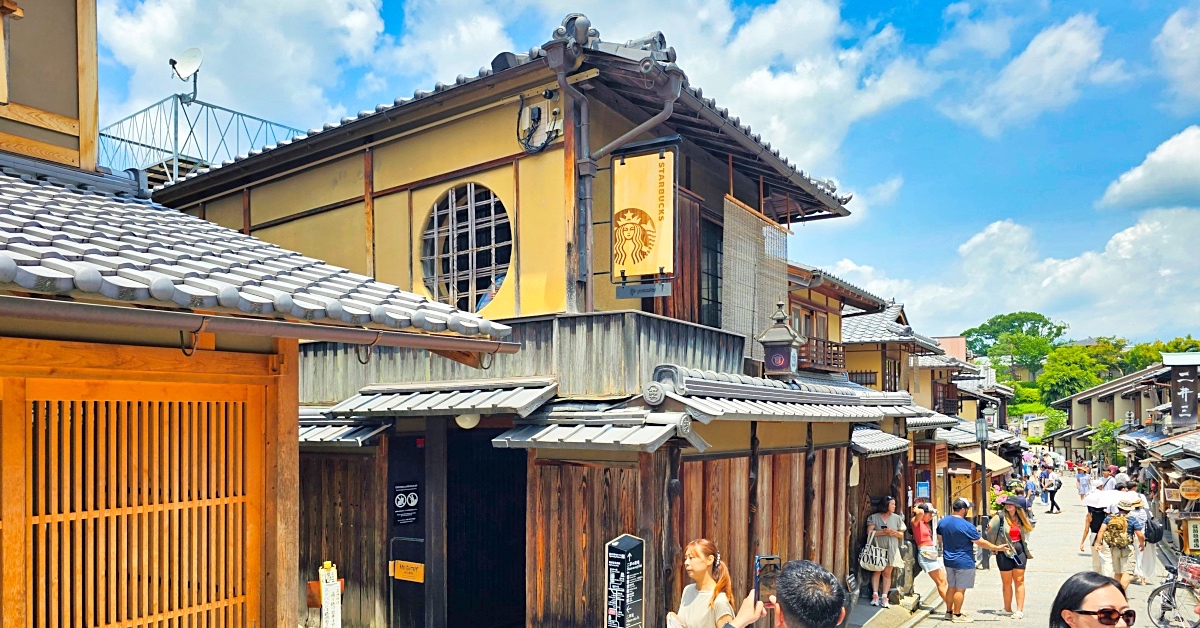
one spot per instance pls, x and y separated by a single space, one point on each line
1055 543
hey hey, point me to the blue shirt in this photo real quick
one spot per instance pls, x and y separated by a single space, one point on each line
1031 487
958 547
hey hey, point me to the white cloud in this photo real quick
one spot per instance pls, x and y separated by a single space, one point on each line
1170 175
1046 76
273 58
989 37
1140 284
1177 48
865 202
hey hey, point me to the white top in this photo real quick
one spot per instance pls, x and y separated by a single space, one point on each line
695 612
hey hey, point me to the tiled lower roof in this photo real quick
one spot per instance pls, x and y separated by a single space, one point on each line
520 396
59 239
871 442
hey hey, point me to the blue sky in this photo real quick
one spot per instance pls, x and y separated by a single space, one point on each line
1004 154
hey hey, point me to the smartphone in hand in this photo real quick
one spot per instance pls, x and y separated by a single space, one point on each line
766 574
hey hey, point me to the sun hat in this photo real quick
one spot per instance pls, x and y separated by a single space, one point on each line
1123 469
1125 504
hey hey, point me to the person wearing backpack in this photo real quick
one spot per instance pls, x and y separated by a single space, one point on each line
1053 484
1119 533
1152 532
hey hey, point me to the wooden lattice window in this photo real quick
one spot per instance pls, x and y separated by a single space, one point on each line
863 378
466 247
921 456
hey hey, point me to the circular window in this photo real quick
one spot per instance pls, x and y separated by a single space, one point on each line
466 247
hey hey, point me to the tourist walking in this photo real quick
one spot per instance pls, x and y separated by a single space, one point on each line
1091 600
708 601
1009 528
959 538
1144 562
1118 534
927 551
889 532
1031 488
1053 484
1083 481
1043 478
1101 559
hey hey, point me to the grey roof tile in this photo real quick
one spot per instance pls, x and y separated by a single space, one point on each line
134 250
881 327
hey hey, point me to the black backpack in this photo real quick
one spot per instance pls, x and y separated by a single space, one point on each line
1154 530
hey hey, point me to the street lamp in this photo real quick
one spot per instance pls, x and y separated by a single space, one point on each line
981 434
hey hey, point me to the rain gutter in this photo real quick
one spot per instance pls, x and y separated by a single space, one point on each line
74 312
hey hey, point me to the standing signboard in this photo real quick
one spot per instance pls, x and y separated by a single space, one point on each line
331 596
624 600
1183 395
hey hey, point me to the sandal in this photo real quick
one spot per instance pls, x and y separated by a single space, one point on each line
1018 615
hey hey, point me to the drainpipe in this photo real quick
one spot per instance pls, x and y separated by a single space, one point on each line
565 55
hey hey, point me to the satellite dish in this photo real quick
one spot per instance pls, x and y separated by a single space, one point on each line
188 63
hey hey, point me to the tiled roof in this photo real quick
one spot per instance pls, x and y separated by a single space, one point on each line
709 395
632 429
960 436
1112 386
520 396
834 279
945 362
882 327
63 240
870 442
633 51
930 422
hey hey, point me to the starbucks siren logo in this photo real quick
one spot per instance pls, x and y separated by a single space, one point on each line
633 236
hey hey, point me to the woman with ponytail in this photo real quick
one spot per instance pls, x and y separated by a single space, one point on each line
709 602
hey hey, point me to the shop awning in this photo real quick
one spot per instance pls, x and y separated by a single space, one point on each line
611 430
518 395
995 464
1057 433
870 442
931 422
1187 465
332 432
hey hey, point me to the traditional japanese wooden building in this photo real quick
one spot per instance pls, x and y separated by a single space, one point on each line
638 403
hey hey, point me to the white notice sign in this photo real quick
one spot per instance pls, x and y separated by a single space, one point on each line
331 596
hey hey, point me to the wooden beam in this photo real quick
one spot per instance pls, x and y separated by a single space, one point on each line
436 450
89 100
15 507
369 208
39 118
41 150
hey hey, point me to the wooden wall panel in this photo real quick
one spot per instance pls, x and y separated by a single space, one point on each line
575 508
340 499
684 302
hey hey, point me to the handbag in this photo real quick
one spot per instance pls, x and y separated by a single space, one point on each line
872 557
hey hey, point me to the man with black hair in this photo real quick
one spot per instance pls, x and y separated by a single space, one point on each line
808 596
959 538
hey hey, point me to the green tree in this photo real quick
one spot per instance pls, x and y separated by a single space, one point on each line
1143 354
1104 442
1056 421
1108 352
1020 350
1068 370
980 338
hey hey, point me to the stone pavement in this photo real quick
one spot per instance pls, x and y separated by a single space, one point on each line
1055 544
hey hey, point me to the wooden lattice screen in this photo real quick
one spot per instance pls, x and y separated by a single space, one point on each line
140 504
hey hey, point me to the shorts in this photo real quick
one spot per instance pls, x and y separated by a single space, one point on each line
1123 560
929 566
1004 563
960 578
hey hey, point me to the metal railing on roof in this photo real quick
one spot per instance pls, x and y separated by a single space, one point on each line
179 135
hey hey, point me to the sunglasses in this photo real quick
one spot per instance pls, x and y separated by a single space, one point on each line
1110 616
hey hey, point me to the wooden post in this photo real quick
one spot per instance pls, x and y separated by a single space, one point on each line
281 488
435 522
652 526
246 211
14 510
89 101
369 208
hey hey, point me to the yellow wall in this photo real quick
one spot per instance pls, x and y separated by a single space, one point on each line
922 393
336 236
226 211
969 410
860 358
782 434
724 435
323 185
831 433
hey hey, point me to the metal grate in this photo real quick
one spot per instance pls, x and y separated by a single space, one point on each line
466 247
863 378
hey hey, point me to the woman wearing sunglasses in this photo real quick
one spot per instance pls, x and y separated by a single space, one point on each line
1090 600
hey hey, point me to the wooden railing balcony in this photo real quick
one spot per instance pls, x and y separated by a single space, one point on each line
821 354
945 399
